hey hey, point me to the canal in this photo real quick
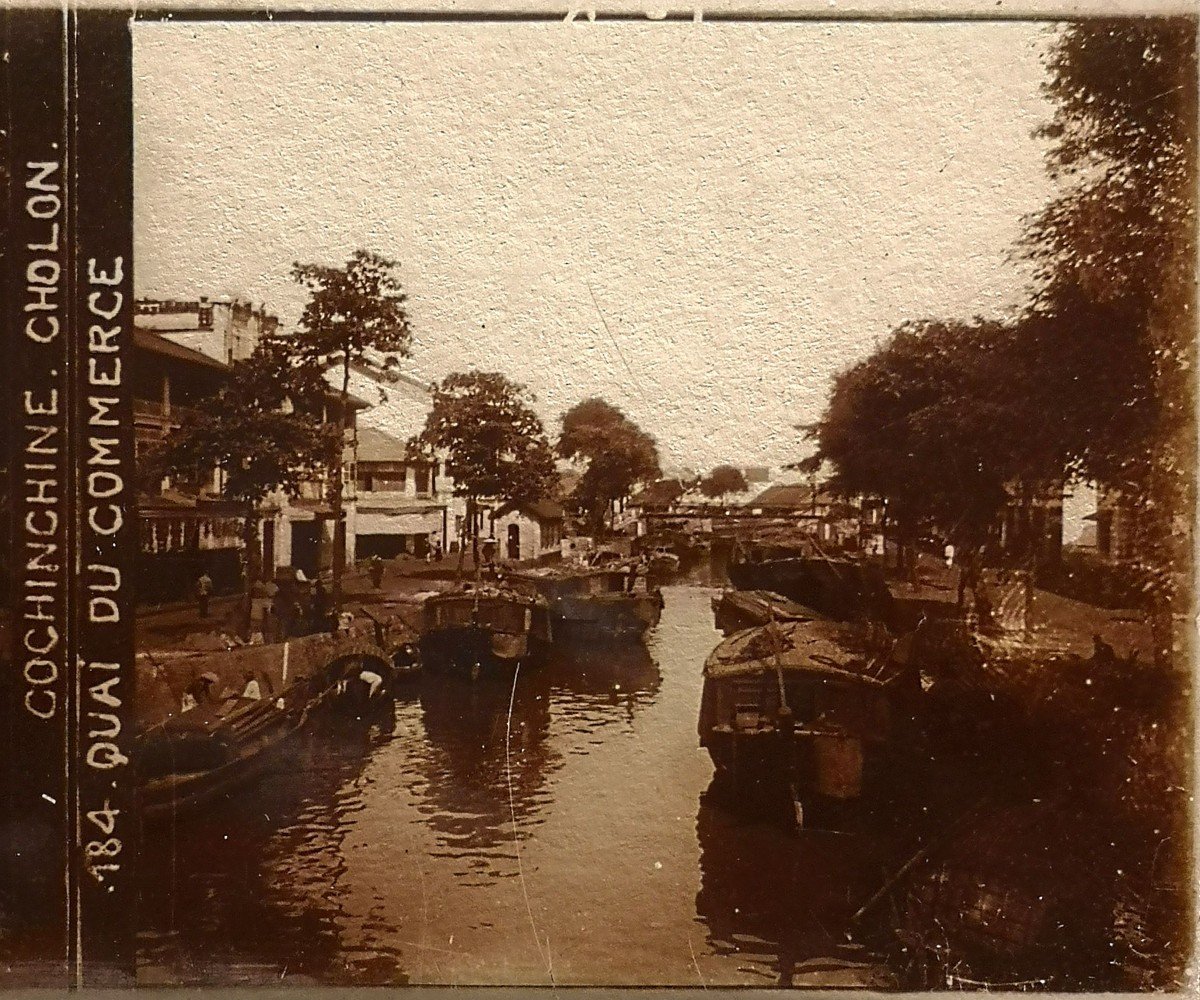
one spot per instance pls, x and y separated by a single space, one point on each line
559 831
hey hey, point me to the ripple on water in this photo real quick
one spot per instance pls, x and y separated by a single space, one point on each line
460 821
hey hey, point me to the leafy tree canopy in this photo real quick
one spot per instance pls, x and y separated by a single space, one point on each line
617 453
352 309
936 420
494 442
723 480
1115 251
247 432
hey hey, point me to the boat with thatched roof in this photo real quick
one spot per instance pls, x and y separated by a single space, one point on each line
804 705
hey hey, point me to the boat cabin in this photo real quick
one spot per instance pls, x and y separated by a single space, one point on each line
805 665
497 611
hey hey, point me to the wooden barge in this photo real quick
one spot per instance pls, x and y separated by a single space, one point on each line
595 603
805 706
482 629
841 588
736 610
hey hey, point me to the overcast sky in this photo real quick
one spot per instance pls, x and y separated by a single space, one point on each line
749 208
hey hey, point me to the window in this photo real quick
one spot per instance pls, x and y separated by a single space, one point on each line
422 475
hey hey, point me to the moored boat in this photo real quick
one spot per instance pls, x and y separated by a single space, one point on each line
807 706
204 755
663 562
735 610
609 602
477 629
838 587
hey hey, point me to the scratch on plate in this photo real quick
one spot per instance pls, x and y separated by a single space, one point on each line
696 965
512 811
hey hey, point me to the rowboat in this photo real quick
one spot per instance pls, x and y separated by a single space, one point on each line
204 755
198 757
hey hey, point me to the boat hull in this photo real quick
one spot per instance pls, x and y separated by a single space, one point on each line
483 632
615 618
177 795
472 650
736 610
841 589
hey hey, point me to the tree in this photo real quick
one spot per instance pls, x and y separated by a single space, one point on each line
937 422
254 437
618 456
723 480
494 442
1115 253
350 310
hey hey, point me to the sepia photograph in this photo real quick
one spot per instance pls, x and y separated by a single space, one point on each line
704 502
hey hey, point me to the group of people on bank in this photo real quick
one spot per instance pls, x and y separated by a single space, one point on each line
287 607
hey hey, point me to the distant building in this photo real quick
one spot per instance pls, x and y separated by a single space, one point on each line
408 504
793 498
225 329
404 506
526 530
830 519
299 531
185 349
183 529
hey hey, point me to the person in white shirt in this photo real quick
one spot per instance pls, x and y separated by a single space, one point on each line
373 681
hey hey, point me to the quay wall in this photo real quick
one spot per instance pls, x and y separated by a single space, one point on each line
162 677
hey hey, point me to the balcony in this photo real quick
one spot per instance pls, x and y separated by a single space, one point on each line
150 411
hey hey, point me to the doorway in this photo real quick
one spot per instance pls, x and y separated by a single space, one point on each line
268 550
514 541
305 541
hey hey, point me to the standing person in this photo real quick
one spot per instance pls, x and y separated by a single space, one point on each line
204 586
375 571
320 608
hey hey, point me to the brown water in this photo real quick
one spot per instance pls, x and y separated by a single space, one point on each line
573 839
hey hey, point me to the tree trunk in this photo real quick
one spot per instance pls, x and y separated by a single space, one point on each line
250 548
475 537
335 499
462 542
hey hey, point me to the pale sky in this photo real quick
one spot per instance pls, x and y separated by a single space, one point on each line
752 207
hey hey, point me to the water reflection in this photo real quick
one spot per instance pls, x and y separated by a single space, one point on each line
778 899
212 912
553 830
486 763
482 770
